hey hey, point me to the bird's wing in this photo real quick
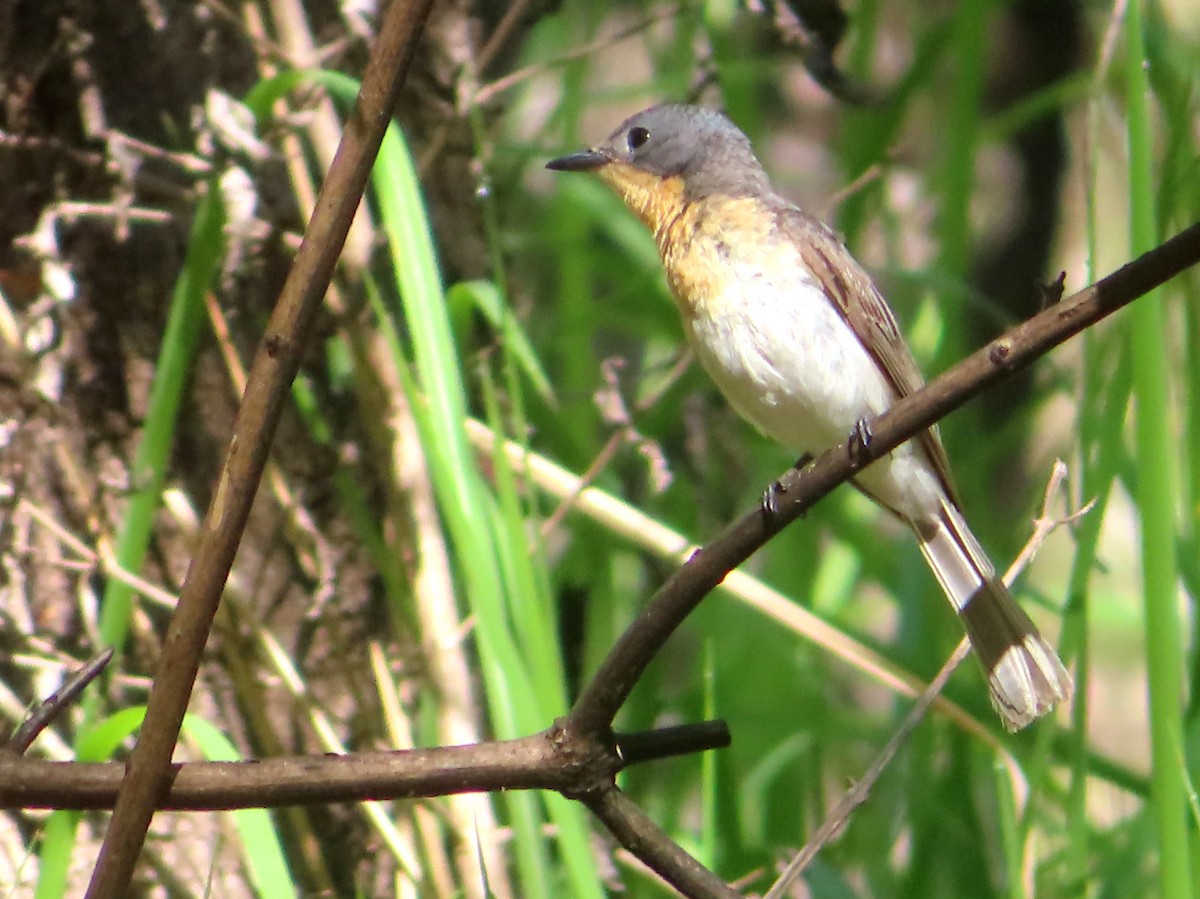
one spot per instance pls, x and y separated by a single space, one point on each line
858 300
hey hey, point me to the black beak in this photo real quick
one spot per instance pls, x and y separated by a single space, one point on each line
583 161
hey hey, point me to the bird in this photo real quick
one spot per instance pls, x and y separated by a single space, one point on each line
798 338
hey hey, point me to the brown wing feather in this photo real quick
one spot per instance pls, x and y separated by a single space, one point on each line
868 314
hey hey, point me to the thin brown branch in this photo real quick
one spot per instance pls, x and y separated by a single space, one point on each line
857 795
837 819
800 488
681 739
500 35
572 764
488 92
148 773
641 836
472 95
815 30
615 441
527 763
45 713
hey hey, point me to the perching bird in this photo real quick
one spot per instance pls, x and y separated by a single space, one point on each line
800 341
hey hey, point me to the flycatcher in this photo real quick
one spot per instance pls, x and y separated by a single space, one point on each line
802 344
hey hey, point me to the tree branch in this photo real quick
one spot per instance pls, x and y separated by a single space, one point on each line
579 756
275 366
800 488
544 761
44 714
641 836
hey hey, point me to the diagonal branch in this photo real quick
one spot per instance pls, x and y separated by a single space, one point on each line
799 489
579 756
642 837
148 771
44 713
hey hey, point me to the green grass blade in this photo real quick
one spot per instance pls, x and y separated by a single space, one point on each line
96 743
186 318
485 557
485 297
1156 495
261 850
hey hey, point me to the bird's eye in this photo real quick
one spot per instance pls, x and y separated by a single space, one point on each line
637 137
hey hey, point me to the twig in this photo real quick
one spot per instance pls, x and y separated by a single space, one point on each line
102 557
799 489
815 31
839 816
489 91
503 31
45 713
550 760
1045 523
858 793
470 94
615 441
682 739
641 836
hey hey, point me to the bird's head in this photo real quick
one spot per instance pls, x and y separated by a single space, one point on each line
669 155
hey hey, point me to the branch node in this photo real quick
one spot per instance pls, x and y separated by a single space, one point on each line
1000 351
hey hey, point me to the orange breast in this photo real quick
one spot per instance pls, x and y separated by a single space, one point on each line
711 242
703 243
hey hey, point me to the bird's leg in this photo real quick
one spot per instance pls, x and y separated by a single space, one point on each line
860 439
770 497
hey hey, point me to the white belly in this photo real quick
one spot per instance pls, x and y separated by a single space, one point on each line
787 361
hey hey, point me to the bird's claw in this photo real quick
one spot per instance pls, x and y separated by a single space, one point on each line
860 439
770 497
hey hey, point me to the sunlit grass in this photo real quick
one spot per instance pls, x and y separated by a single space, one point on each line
773 692
570 283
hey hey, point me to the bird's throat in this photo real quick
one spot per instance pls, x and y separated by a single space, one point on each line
656 200
662 205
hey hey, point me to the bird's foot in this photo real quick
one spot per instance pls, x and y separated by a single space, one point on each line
860 439
771 496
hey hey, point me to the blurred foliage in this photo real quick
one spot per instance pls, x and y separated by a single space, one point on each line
993 155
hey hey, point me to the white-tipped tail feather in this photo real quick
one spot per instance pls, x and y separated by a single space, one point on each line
1025 676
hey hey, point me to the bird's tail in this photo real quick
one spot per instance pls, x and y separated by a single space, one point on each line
1025 676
